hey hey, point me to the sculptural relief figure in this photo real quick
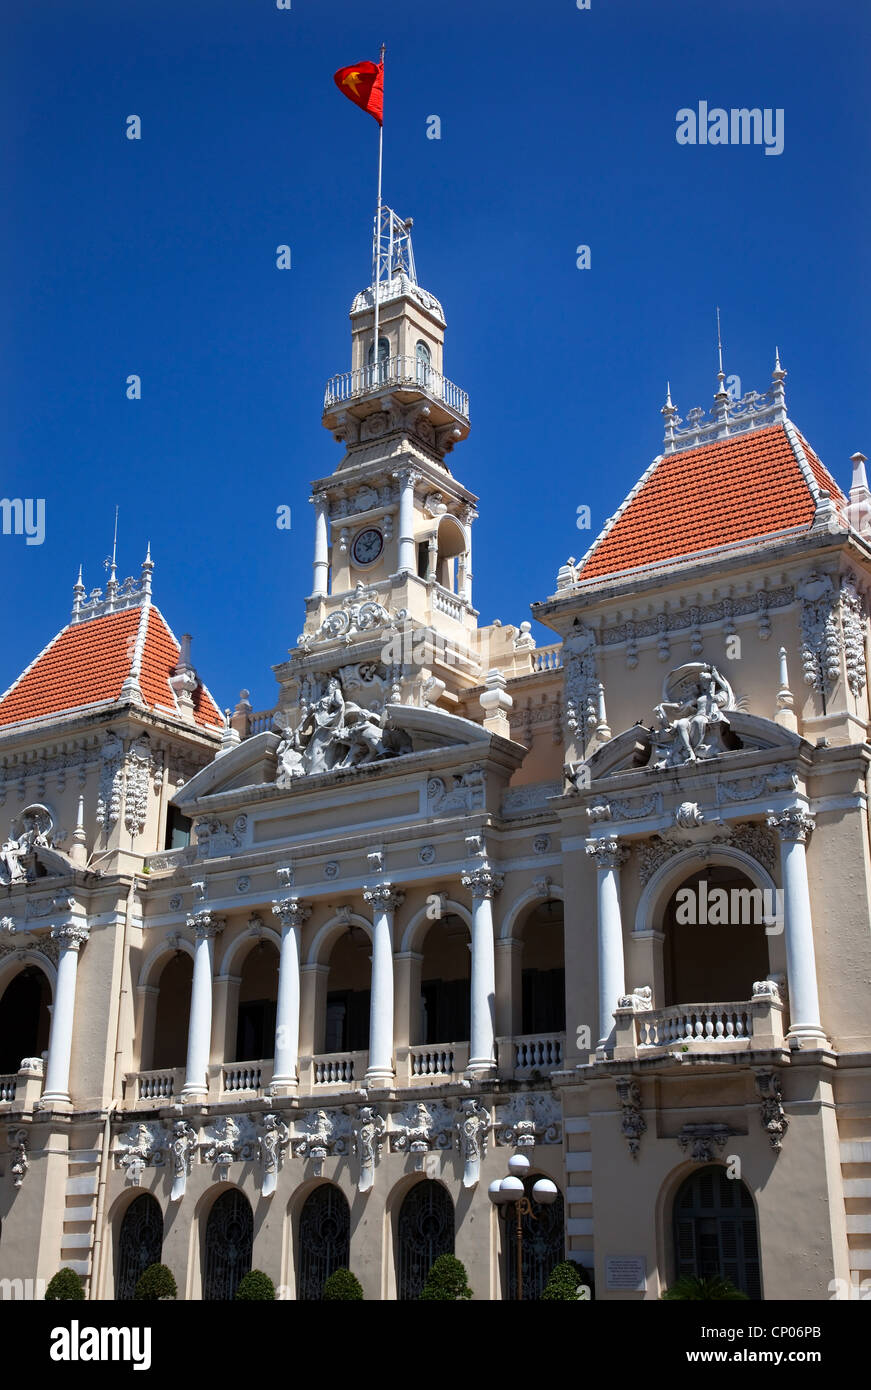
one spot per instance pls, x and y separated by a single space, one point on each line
35 832
368 1136
289 758
691 716
473 1126
335 735
324 719
184 1141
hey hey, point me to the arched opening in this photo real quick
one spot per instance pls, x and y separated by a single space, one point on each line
444 983
425 1231
542 1242
173 1012
715 942
140 1244
324 1239
715 1233
451 543
543 971
228 1245
423 363
258 994
383 359
25 1018
346 1024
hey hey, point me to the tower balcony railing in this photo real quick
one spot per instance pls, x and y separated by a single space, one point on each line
407 372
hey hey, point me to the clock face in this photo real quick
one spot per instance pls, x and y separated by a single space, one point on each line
367 546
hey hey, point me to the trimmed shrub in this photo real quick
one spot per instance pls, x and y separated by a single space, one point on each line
342 1284
256 1285
64 1287
447 1280
154 1284
564 1281
690 1286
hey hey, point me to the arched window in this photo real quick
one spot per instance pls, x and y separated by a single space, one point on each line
324 1239
383 359
543 1243
544 974
24 1018
444 982
140 1244
229 1239
346 1018
426 1230
715 1230
423 363
715 942
172 1013
258 993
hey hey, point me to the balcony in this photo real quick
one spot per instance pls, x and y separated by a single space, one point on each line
406 374
746 1025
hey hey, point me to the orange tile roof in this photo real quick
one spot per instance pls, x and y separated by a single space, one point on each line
88 662
721 494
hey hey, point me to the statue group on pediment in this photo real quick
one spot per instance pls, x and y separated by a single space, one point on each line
17 853
336 735
692 716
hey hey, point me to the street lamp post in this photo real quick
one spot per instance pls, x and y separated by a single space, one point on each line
510 1192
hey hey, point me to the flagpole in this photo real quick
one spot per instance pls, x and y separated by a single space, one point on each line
375 362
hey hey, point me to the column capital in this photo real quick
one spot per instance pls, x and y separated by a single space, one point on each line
292 911
71 935
407 477
607 852
483 881
384 895
205 924
794 825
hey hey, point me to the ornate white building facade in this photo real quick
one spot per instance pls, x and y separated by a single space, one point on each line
288 989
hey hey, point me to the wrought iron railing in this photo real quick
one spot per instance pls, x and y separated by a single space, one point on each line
396 371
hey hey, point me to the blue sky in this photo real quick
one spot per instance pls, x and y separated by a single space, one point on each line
157 257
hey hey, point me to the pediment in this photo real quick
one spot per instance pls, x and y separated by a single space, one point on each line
269 759
631 750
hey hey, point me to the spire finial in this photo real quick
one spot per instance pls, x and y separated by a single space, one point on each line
669 415
719 342
147 568
78 596
110 564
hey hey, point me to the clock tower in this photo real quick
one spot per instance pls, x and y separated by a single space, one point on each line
392 590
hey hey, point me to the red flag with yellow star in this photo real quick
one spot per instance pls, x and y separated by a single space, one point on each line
363 83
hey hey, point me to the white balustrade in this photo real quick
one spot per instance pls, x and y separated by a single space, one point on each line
547 658
686 1023
446 602
260 721
539 1052
243 1076
396 371
333 1069
8 1086
436 1059
156 1085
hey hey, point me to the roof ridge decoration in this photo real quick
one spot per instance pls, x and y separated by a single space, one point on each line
729 416
118 597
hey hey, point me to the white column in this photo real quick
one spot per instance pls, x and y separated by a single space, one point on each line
609 855
322 546
467 516
293 913
71 936
794 827
407 479
206 926
484 884
384 900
